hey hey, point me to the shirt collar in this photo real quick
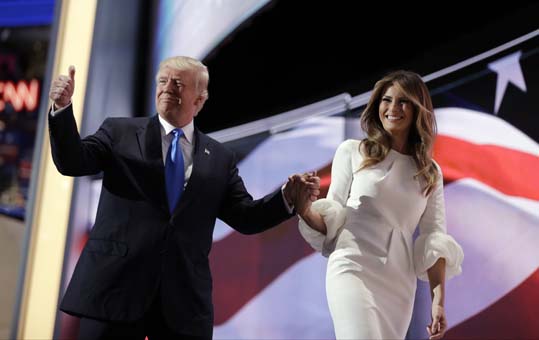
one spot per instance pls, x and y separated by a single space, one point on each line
188 130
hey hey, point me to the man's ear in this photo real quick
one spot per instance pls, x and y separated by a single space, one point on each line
201 99
199 102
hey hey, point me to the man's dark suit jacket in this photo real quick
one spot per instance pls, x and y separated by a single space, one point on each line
136 247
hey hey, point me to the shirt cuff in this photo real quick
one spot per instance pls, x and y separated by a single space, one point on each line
287 206
55 111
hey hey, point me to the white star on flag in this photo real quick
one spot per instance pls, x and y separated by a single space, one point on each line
508 70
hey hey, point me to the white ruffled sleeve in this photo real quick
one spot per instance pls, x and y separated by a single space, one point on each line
334 216
333 208
433 241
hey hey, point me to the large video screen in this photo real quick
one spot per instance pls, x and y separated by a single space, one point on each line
23 57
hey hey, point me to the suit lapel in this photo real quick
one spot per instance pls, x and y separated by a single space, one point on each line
149 141
201 164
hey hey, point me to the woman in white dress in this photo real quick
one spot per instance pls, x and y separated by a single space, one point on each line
381 189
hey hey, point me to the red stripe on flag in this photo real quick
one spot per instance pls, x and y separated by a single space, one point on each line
514 316
243 265
509 171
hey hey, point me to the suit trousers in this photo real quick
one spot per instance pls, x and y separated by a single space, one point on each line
153 326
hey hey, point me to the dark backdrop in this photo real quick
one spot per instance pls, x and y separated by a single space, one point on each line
293 53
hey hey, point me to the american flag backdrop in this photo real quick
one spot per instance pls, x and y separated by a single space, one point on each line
272 285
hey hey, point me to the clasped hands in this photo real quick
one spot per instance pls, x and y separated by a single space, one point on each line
301 190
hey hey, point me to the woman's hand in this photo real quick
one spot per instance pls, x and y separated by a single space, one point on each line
439 323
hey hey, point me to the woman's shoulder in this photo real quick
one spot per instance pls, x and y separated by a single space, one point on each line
350 145
350 148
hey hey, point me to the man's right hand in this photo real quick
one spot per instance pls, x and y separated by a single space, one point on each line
304 189
62 89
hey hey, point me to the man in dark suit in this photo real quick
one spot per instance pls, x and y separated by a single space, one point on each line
144 270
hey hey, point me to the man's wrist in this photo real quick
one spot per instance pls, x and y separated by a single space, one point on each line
286 199
55 109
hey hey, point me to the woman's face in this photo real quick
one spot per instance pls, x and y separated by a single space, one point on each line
396 113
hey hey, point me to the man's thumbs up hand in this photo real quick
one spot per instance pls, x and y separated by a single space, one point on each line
62 89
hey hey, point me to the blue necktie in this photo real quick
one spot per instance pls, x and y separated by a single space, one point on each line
174 172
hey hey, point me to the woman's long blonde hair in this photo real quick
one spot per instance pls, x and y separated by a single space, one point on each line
422 131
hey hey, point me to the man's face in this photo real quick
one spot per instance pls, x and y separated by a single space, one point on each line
176 97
